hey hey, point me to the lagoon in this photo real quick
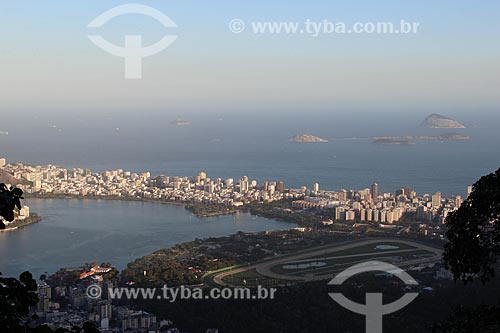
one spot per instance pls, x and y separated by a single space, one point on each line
75 231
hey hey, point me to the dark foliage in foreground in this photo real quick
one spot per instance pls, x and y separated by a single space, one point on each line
472 252
307 308
474 232
10 198
16 296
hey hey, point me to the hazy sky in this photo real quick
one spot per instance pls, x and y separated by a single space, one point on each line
47 61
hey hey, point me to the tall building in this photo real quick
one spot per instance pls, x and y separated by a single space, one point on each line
243 185
339 213
280 186
343 195
383 216
421 210
375 191
265 185
316 187
106 310
389 217
436 200
469 190
408 192
44 293
362 214
369 214
24 213
3 162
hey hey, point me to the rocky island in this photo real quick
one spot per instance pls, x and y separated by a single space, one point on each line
453 136
438 121
306 138
442 137
409 139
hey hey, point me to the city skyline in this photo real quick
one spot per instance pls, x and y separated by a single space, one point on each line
363 205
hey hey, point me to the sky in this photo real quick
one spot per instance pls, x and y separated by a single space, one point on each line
48 63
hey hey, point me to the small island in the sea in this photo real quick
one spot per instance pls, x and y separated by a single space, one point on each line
180 122
438 121
390 141
442 137
306 138
408 139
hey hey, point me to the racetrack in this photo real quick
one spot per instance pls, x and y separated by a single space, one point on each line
264 268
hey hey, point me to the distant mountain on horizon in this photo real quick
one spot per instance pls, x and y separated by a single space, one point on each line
7 178
439 121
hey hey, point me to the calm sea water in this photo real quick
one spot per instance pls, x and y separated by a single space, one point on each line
77 231
232 145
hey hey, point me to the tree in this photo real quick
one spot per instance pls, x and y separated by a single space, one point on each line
474 232
484 318
9 199
16 297
472 252
42 329
89 327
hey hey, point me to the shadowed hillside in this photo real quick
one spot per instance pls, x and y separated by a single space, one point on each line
7 178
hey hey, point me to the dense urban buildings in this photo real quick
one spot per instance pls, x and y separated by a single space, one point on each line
364 206
369 206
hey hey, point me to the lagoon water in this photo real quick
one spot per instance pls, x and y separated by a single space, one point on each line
73 232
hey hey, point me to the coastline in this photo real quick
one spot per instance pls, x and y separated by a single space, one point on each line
34 218
111 198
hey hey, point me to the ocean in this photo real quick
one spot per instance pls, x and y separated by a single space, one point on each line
231 145
224 145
